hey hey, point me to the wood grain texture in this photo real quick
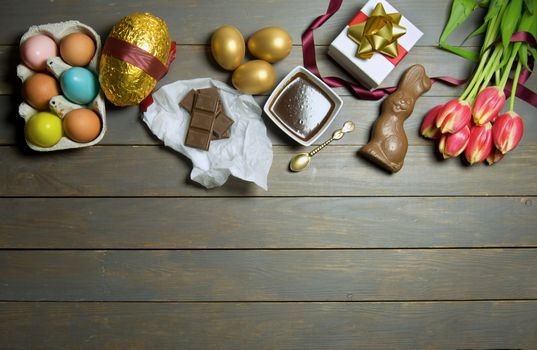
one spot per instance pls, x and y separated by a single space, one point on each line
400 325
191 22
112 247
200 223
272 275
336 171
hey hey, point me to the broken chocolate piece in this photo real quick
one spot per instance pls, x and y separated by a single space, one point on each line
221 125
188 101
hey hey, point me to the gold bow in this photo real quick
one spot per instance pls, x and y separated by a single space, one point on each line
378 34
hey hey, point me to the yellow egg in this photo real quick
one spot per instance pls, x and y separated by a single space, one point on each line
44 129
271 44
254 77
227 47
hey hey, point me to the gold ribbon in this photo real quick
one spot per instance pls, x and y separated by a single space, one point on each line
378 34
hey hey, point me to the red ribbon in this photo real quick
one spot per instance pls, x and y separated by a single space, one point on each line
148 101
522 91
310 62
136 56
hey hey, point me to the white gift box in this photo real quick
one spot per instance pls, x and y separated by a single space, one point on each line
371 72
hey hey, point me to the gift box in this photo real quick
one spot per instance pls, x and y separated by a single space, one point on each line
372 71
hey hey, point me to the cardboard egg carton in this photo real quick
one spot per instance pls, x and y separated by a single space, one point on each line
56 66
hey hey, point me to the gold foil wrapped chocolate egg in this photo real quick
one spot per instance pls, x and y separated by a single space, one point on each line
123 83
270 44
254 77
227 47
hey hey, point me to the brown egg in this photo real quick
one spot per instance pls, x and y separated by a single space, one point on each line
38 89
77 49
82 125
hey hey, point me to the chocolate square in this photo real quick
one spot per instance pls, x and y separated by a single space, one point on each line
202 120
210 91
206 103
198 139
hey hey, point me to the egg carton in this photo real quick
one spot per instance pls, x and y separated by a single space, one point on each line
55 65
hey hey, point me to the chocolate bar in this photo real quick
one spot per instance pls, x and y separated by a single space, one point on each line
202 121
208 121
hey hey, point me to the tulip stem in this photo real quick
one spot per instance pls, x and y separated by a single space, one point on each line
487 73
492 69
513 88
477 74
497 76
509 66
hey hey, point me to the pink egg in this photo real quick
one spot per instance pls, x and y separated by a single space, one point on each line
36 50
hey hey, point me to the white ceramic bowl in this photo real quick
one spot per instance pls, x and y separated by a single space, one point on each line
320 85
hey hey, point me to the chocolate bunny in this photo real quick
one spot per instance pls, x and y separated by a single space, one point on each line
388 144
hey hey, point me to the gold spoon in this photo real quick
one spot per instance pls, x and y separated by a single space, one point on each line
301 161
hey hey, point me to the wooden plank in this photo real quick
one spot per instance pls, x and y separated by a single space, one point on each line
192 22
401 325
125 125
200 223
336 171
269 275
195 62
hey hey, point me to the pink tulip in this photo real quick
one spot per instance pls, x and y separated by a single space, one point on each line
453 116
428 127
495 156
479 144
451 145
507 131
488 104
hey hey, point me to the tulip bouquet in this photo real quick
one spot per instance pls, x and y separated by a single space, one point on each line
472 123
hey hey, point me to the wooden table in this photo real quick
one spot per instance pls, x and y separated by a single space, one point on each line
113 247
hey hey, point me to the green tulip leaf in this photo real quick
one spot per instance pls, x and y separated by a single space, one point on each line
460 10
523 56
530 6
482 29
469 55
510 20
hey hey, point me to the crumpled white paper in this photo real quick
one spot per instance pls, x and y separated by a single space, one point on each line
246 154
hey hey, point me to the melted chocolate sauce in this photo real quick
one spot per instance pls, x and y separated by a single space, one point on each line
302 107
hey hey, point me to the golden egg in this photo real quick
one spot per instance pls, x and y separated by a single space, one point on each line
123 83
227 47
271 44
254 77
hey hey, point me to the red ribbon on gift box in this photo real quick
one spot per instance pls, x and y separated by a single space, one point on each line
310 62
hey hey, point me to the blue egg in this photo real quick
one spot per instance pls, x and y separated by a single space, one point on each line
79 85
